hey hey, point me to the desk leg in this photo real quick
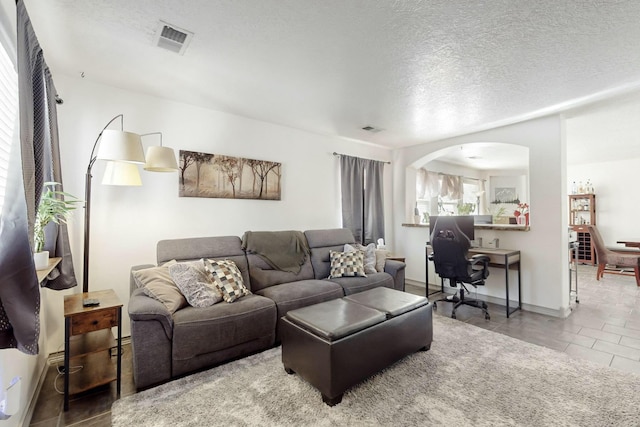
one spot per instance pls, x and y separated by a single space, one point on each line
506 281
67 349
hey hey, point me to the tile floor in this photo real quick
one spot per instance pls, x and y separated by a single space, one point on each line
603 328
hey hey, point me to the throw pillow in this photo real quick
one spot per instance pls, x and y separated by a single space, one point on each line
369 255
194 284
156 282
381 257
226 277
346 264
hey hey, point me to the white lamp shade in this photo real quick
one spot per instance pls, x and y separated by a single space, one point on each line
121 173
120 146
161 159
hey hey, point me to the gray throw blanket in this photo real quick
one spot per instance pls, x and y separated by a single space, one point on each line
282 250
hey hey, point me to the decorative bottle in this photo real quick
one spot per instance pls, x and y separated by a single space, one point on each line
416 214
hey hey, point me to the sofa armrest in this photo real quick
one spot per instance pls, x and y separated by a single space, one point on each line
143 308
151 338
396 270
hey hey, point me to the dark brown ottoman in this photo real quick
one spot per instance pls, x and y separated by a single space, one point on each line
337 344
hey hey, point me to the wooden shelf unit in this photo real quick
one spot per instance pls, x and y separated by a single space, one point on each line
582 212
88 340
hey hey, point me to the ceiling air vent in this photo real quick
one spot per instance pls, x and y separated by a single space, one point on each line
372 129
172 38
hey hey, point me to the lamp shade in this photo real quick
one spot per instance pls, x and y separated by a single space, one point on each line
121 173
120 146
161 159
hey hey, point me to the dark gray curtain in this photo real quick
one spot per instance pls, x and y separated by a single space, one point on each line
57 236
37 152
362 197
373 201
40 145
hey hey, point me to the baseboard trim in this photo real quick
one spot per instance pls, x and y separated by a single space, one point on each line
562 313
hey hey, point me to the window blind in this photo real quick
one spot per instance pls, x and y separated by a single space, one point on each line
8 112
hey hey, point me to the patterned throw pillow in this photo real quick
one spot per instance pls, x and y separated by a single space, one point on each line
346 264
369 255
194 284
226 277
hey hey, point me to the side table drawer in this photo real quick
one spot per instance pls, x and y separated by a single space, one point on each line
93 321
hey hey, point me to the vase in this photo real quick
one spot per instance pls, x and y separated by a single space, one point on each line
526 218
41 260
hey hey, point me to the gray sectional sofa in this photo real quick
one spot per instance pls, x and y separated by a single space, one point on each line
166 345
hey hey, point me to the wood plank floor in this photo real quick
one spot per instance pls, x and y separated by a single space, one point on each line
603 328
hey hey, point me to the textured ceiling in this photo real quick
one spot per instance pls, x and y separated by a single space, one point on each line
420 70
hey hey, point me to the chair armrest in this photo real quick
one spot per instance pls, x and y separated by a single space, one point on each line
479 258
480 262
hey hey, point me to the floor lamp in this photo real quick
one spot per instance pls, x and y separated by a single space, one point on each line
123 150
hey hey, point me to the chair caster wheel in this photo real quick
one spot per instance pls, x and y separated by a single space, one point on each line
453 315
435 306
487 317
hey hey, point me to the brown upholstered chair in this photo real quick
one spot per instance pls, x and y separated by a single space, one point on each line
607 257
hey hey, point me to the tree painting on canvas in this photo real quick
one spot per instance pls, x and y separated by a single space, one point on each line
215 175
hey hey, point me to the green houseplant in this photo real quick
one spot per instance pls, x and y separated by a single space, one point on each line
53 207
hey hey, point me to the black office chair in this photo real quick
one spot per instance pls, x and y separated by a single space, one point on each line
450 258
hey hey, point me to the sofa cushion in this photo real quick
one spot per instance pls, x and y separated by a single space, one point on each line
192 249
289 296
347 264
199 331
351 285
227 278
321 242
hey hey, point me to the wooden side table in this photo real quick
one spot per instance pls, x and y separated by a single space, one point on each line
88 341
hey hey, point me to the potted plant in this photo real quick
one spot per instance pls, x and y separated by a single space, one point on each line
52 208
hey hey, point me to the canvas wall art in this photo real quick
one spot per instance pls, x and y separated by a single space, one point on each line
214 175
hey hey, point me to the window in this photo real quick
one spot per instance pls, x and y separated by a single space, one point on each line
435 204
8 112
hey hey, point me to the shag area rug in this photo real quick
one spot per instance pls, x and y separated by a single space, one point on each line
470 377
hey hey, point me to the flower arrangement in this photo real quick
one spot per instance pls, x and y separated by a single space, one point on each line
522 209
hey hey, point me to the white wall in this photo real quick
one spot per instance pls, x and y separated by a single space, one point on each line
544 248
127 222
603 144
617 202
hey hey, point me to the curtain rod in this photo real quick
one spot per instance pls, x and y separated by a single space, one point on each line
338 154
465 177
